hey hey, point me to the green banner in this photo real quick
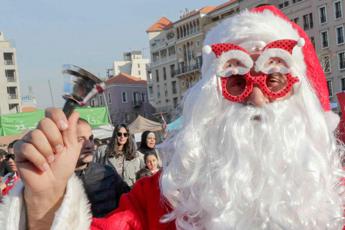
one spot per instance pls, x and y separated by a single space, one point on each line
17 123
96 116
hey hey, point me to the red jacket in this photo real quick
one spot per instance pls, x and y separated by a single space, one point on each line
140 209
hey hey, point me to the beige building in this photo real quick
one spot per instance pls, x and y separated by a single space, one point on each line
323 20
133 64
9 80
163 89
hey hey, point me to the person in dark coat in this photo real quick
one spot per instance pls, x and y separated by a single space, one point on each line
102 184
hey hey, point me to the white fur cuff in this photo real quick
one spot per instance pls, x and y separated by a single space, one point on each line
74 212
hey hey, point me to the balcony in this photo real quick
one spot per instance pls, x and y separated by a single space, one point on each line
11 79
12 96
187 69
9 62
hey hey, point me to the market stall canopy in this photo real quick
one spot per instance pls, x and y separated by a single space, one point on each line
175 125
141 124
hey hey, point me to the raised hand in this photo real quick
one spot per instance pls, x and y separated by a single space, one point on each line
46 158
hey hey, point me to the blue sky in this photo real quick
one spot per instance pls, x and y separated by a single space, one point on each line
90 34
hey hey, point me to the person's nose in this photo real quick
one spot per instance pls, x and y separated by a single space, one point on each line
257 98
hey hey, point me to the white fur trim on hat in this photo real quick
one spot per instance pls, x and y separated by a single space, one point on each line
239 55
270 53
207 49
300 42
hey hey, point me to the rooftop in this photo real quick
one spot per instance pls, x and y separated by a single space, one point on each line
123 78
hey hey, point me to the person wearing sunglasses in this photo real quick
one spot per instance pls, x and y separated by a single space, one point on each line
121 154
257 149
12 177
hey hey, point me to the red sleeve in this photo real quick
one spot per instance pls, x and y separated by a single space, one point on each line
129 214
140 209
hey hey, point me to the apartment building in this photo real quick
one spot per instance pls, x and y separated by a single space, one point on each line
133 64
176 54
163 89
126 98
9 80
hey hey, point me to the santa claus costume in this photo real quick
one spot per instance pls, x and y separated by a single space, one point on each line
233 165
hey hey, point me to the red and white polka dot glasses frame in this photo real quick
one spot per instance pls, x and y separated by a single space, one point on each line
271 72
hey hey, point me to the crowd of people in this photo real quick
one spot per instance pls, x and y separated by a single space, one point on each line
258 149
106 170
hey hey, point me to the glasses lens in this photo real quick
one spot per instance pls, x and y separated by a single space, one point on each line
10 156
276 82
236 85
122 134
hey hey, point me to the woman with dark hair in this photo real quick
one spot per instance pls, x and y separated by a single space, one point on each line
147 146
121 154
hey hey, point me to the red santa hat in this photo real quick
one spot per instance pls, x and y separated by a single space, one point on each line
228 51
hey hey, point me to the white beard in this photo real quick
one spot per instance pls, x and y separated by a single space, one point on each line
230 171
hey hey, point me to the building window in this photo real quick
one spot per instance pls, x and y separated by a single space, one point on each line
165 90
341 60
172 70
139 73
8 58
338 11
139 66
174 89
151 91
171 50
324 39
163 53
295 1
155 56
175 102
326 64
143 97
158 92
308 21
343 84
164 74
157 75
330 88
312 39
340 34
323 14
109 98
124 97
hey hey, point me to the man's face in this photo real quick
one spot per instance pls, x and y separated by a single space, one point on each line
10 161
85 139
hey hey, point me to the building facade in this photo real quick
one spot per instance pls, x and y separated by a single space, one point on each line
9 78
133 64
126 98
163 89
